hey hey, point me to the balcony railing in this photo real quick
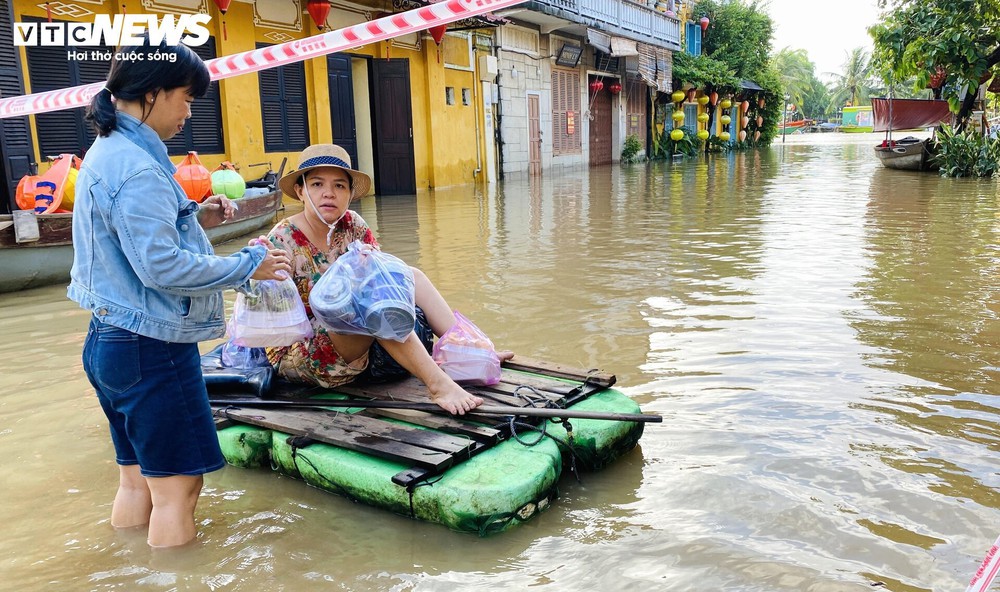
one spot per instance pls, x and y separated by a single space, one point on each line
619 17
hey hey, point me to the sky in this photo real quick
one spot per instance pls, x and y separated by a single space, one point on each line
826 29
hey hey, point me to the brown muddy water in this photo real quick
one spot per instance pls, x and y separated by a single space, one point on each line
819 333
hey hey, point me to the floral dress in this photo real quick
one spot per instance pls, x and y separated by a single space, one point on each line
315 361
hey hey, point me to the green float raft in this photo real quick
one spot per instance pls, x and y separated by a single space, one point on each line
478 473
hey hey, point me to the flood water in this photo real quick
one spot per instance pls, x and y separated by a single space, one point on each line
820 334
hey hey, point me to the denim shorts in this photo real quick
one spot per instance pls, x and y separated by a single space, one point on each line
154 397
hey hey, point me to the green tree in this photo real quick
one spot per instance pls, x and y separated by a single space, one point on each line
955 40
816 101
739 37
796 72
855 84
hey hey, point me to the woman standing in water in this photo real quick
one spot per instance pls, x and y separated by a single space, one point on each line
143 264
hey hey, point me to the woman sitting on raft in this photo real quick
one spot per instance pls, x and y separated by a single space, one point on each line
314 238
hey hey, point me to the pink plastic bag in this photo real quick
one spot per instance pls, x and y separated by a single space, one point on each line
466 354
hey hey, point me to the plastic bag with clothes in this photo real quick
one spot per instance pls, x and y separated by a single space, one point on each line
271 314
466 354
366 292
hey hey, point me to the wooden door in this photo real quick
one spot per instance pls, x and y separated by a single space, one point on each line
600 128
342 104
635 109
395 170
534 137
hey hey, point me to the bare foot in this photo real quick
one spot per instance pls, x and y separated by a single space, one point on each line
505 355
454 399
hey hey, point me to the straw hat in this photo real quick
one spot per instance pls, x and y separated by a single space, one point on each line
326 155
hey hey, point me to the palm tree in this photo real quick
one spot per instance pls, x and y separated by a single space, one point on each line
796 72
856 84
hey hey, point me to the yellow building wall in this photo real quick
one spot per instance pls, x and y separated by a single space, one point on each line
444 136
452 140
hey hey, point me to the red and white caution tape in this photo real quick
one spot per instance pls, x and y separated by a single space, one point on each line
395 25
987 571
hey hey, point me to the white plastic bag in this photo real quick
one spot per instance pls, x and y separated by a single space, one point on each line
466 354
366 292
272 315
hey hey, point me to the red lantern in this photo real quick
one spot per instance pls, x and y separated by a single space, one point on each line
760 121
743 135
223 7
938 77
756 135
760 102
437 33
713 98
615 87
745 105
692 92
318 10
704 23
596 86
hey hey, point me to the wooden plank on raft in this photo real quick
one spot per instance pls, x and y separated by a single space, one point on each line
560 371
414 391
408 389
517 384
330 428
222 423
451 425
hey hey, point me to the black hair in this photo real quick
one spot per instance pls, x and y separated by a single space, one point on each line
139 69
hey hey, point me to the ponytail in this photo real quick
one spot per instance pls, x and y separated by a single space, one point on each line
101 113
147 69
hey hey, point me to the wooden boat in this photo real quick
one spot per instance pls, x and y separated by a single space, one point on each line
475 473
791 127
49 259
909 153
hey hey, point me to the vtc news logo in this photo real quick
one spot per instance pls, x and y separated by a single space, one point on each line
122 29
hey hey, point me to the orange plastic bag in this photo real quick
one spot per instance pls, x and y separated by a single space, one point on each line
52 191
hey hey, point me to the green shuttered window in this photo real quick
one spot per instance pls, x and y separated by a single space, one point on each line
283 107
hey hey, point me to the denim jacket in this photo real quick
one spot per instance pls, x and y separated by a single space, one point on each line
141 260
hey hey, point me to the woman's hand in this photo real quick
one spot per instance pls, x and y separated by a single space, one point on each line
216 210
276 264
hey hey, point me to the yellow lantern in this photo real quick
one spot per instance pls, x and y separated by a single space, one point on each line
677 135
726 103
726 120
702 134
703 117
703 100
678 116
678 96
724 136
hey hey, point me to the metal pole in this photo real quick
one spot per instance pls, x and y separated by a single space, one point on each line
784 119
431 407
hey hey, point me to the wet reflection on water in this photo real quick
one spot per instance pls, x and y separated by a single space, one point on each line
819 333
